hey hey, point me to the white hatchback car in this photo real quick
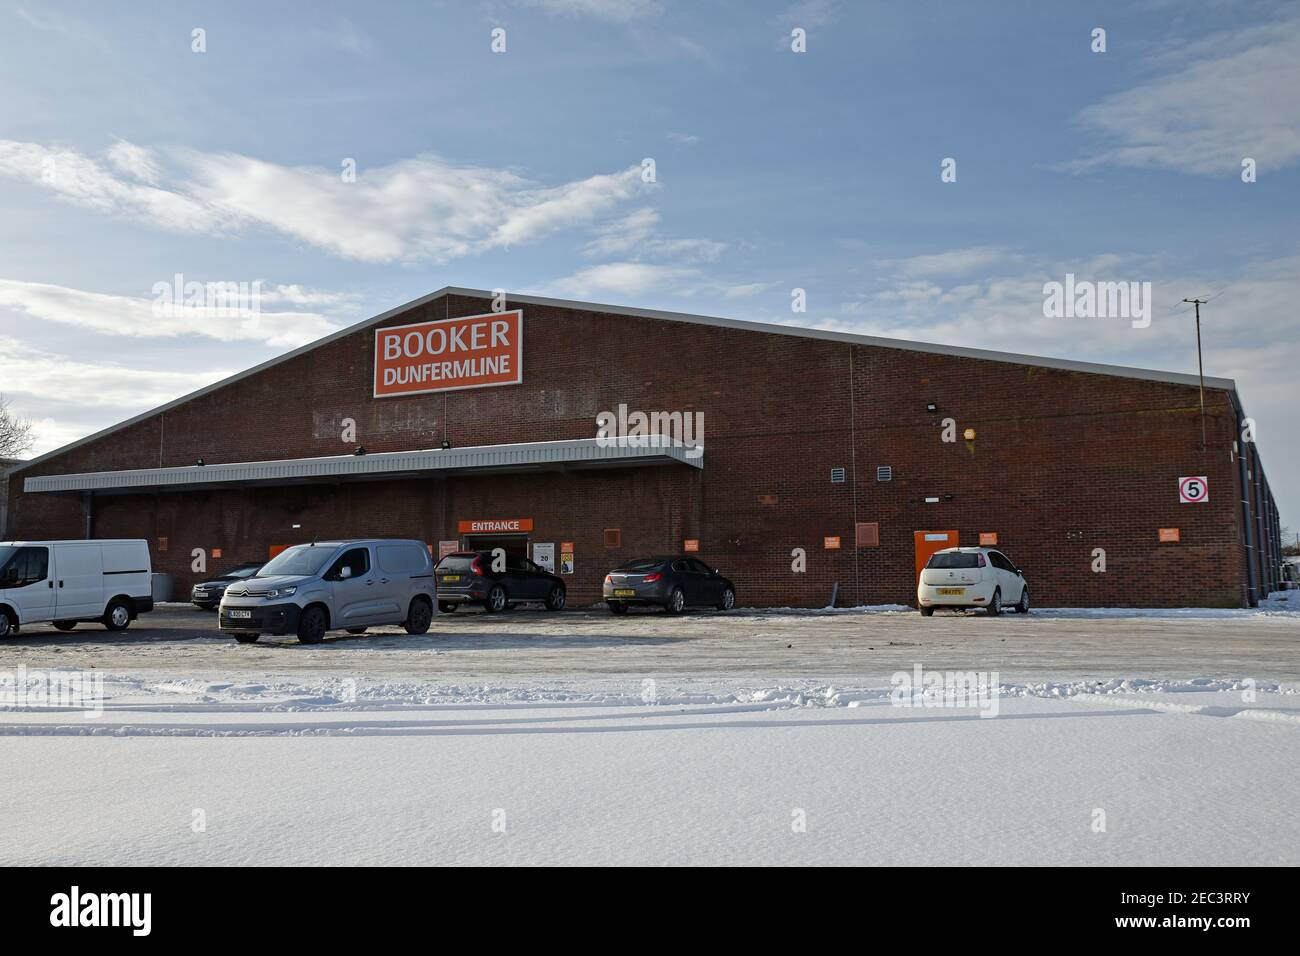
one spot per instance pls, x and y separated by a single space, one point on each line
971 577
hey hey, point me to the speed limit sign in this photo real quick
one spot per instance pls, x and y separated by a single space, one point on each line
1194 490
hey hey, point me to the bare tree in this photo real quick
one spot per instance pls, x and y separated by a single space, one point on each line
15 432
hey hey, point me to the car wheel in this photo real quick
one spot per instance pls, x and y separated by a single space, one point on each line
728 600
555 598
117 617
7 625
247 638
65 625
926 611
419 617
1022 606
447 607
676 601
995 605
357 630
496 599
616 608
311 626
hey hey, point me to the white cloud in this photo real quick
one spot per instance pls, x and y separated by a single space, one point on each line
953 262
618 11
35 379
420 209
619 279
137 317
635 235
1224 98
135 161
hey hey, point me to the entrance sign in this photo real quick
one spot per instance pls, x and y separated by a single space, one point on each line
495 526
1194 490
446 355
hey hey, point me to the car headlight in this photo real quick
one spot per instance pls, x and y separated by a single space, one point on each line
282 592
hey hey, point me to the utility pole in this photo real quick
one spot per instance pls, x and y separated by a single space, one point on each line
1200 365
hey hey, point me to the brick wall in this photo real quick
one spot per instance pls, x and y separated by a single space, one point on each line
1063 463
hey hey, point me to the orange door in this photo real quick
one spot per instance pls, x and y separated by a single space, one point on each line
928 542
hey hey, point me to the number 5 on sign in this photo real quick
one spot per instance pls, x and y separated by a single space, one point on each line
1194 490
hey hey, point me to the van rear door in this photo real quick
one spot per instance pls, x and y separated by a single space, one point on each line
127 571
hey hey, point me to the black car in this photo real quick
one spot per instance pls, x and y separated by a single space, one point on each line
466 577
672 583
208 594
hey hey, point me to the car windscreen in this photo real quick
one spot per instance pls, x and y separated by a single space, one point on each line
954 559
303 559
642 564
243 571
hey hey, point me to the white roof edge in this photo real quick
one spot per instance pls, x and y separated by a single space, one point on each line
1175 378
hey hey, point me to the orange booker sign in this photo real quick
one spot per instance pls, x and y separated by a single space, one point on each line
1169 535
496 526
450 354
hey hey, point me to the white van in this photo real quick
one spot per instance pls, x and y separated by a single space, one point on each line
71 581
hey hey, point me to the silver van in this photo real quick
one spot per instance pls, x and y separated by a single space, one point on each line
309 589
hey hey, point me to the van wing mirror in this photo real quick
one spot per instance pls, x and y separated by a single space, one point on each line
345 572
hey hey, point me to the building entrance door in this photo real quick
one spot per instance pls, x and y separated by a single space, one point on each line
928 542
514 545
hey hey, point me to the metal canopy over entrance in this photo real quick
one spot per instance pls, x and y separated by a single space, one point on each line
559 456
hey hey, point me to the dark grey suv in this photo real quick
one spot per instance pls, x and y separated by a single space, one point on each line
467 577
672 583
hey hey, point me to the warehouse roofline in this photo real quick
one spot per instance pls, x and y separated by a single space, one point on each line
1093 368
582 453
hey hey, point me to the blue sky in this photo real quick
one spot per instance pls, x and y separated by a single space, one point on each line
125 158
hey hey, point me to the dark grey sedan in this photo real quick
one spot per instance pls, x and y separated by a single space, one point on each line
207 594
671 583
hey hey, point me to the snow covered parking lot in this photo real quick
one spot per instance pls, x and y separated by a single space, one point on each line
759 737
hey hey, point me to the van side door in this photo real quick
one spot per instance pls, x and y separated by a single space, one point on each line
352 579
79 586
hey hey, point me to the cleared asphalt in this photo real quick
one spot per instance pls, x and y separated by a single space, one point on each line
181 640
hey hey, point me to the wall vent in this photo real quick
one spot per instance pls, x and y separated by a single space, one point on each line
884 473
837 476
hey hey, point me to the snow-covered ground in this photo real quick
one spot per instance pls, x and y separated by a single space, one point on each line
772 737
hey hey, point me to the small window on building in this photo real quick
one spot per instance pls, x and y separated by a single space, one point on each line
884 473
613 538
837 476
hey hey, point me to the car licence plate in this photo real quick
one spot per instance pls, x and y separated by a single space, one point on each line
952 590
451 577
240 615
625 592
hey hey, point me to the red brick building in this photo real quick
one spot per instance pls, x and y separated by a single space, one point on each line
811 439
